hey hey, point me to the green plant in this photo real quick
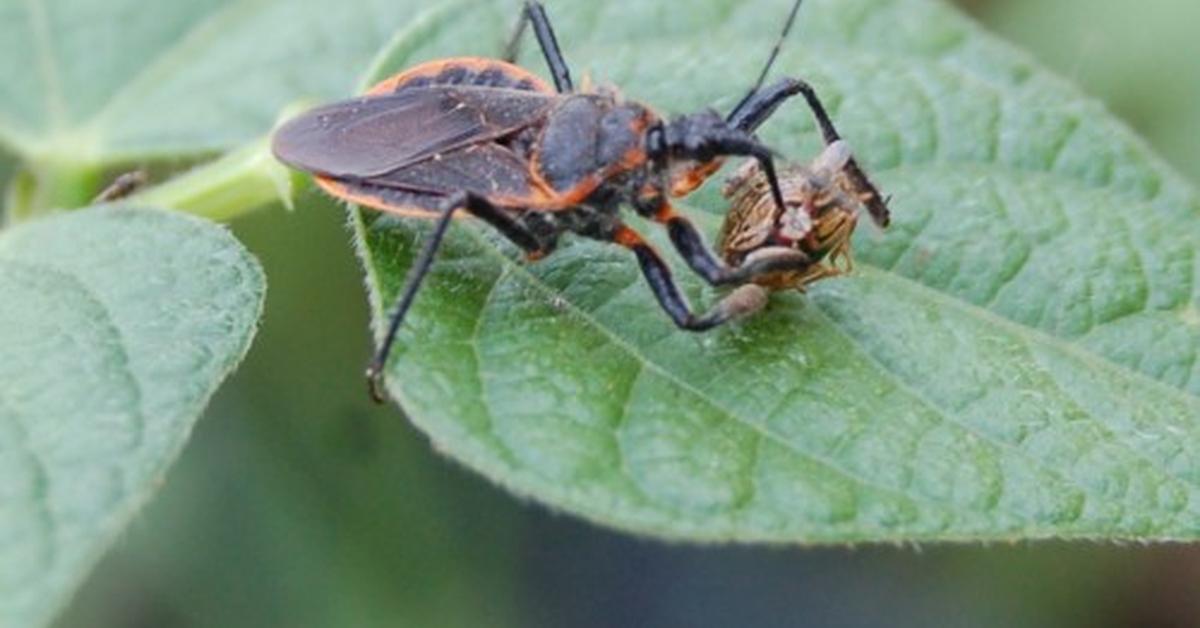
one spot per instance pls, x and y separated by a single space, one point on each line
1014 359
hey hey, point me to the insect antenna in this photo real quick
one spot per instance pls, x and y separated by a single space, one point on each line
762 76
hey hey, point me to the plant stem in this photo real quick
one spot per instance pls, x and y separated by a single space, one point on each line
235 184
48 184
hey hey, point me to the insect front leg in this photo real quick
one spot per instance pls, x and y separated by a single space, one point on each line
535 13
757 107
754 110
700 258
480 208
745 300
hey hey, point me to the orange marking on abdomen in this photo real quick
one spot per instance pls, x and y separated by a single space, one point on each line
476 64
339 190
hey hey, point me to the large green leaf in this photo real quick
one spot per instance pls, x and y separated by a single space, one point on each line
1016 357
117 325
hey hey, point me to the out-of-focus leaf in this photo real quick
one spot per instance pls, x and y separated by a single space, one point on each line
116 327
1145 72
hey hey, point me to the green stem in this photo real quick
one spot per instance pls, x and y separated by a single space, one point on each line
235 184
63 184
47 184
18 198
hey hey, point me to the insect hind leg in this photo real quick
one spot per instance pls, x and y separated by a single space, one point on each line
480 208
534 13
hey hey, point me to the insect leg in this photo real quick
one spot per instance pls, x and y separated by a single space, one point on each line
749 114
508 227
746 299
756 108
412 283
482 209
703 262
533 12
705 144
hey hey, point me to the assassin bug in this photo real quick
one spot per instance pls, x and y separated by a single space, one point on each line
535 161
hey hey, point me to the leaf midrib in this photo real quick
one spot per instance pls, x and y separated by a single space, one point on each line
47 63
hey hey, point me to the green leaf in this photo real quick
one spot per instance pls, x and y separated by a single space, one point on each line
1015 358
117 326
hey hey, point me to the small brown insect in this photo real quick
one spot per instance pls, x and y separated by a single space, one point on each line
821 204
122 187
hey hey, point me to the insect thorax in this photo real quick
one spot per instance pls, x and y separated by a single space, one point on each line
590 135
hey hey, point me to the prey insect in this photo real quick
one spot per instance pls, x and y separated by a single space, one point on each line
535 161
122 187
822 201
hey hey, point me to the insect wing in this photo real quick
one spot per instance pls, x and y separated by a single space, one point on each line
487 170
372 136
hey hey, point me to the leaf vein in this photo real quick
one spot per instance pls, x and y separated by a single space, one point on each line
1025 334
536 283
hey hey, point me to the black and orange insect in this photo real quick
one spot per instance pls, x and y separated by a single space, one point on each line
535 161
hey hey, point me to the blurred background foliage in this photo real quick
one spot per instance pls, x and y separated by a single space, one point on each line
298 503
1139 57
